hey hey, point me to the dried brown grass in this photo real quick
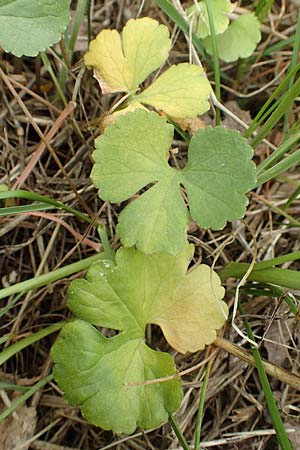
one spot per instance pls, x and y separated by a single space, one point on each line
36 243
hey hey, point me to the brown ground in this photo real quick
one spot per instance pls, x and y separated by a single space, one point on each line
38 243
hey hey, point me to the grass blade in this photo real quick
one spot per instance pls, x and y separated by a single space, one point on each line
277 154
20 400
279 168
263 8
285 103
292 66
21 193
13 349
176 17
201 407
47 278
23 209
178 433
215 58
266 109
271 404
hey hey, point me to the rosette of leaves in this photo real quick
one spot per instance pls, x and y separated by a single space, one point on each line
117 380
30 26
236 38
133 153
122 63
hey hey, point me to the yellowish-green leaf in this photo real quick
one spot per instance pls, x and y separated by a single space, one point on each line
199 16
109 377
191 314
121 65
182 92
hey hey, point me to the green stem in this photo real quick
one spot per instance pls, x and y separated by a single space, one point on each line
285 103
290 41
201 407
81 6
279 168
264 111
47 278
280 277
13 387
48 66
174 15
291 199
293 64
263 9
178 433
277 154
107 250
21 193
215 58
23 209
271 404
20 400
23 343
291 305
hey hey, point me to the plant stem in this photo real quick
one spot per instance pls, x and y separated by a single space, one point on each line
23 343
81 6
21 193
48 66
280 277
176 17
285 103
215 58
274 371
293 64
266 109
271 404
29 393
201 407
263 9
47 278
178 433
277 154
279 168
107 250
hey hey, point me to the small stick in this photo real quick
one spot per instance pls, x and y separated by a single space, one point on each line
271 369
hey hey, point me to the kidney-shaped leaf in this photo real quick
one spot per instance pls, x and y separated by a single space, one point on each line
133 152
28 27
239 40
121 65
107 376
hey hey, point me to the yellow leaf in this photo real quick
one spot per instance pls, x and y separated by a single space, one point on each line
121 65
182 91
194 310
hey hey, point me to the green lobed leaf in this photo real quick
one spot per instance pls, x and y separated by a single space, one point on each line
220 9
157 220
239 40
94 372
107 376
218 173
133 152
28 27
